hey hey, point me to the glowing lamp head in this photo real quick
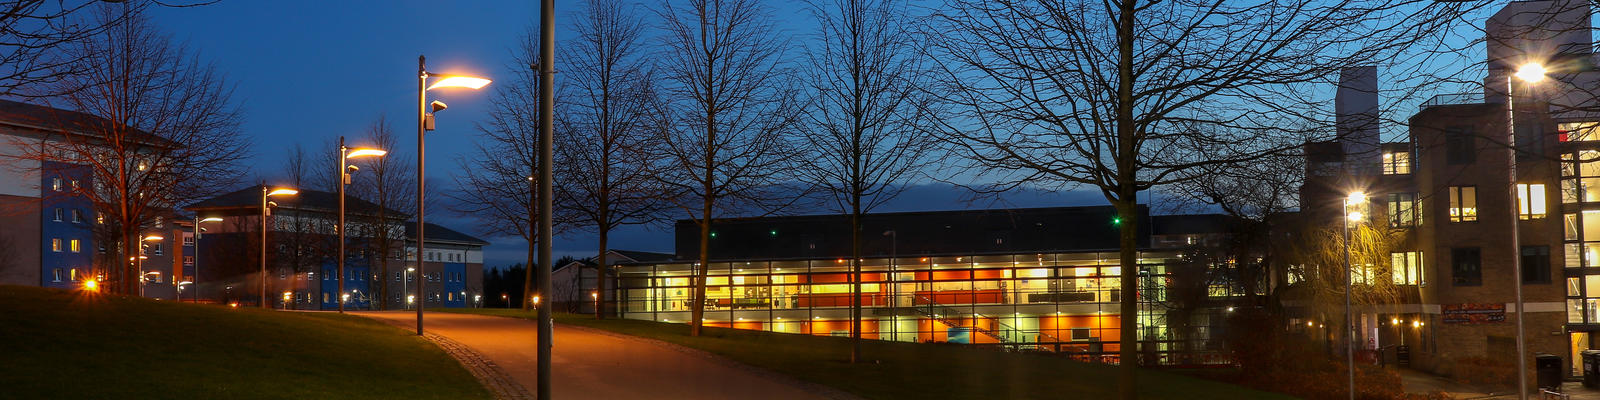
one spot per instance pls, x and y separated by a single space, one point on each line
1356 198
1531 73
461 82
91 285
153 238
1355 216
355 153
282 192
212 219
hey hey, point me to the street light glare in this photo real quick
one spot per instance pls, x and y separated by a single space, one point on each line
153 238
1355 216
1531 73
365 152
1357 198
283 192
460 81
212 219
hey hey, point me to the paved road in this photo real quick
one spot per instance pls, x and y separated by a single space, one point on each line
594 365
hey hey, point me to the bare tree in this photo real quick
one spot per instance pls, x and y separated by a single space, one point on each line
164 131
390 184
498 182
866 130
1124 96
729 111
32 32
608 127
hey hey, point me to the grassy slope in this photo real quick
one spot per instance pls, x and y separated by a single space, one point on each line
61 344
913 371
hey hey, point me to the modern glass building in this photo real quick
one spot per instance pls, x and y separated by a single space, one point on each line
1065 301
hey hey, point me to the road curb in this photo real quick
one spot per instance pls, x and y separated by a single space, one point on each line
490 375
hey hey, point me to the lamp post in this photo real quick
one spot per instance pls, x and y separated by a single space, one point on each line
345 170
266 211
1349 319
425 124
1530 73
144 278
196 279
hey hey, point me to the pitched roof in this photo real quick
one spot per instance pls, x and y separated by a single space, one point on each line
645 256
306 200
55 120
438 233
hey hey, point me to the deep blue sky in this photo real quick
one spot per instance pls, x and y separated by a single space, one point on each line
307 72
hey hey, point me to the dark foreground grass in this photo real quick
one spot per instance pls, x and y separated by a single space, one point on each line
76 345
911 370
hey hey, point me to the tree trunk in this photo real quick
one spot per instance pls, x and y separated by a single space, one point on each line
600 275
855 280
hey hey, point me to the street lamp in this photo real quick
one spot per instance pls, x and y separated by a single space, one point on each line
197 230
1357 198
425 124
1530 73
266 211
144 278
345 170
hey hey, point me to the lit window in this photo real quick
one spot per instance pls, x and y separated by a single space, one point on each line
55 245
1579 131
55 184
74 183
99 217
58 215
1530 201
74 274
1406 268
1403 210
75 246
188 261
57 275
1463 203
1396 163
188 240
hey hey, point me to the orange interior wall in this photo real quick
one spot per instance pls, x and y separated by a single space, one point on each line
1105 326
869 328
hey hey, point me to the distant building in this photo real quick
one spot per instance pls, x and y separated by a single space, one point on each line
1044 279
302 272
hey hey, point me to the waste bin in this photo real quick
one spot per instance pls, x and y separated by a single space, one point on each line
1591 369
1547 369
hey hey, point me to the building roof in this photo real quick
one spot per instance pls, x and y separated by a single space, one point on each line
645 256
308 200
993 231
1189 224
51 119
437 233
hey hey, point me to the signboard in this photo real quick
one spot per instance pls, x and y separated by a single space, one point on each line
1473 313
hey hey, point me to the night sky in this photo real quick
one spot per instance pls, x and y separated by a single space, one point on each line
306 72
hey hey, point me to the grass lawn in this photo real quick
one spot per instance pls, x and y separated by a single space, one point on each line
70 344
910 370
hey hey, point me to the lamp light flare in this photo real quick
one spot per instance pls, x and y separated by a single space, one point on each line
354 153
1357 198
460 81
283 192
1531 73
1356 216
212 219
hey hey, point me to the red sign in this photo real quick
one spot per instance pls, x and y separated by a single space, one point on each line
1473 313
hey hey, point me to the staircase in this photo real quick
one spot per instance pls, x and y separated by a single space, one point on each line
1011 338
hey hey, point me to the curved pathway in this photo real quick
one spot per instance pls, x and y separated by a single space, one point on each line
595 364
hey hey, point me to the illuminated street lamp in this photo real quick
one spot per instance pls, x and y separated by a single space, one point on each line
1356 198
144 277
425 112
197 230
345 170
1532 74
266 211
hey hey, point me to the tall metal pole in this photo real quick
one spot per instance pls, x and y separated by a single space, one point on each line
547 40
1516 244
422 159
195 280
343 180
1349 319
264 247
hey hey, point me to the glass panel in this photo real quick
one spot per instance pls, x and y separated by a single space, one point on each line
1571 224
1580 131
1574 255
1575 311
